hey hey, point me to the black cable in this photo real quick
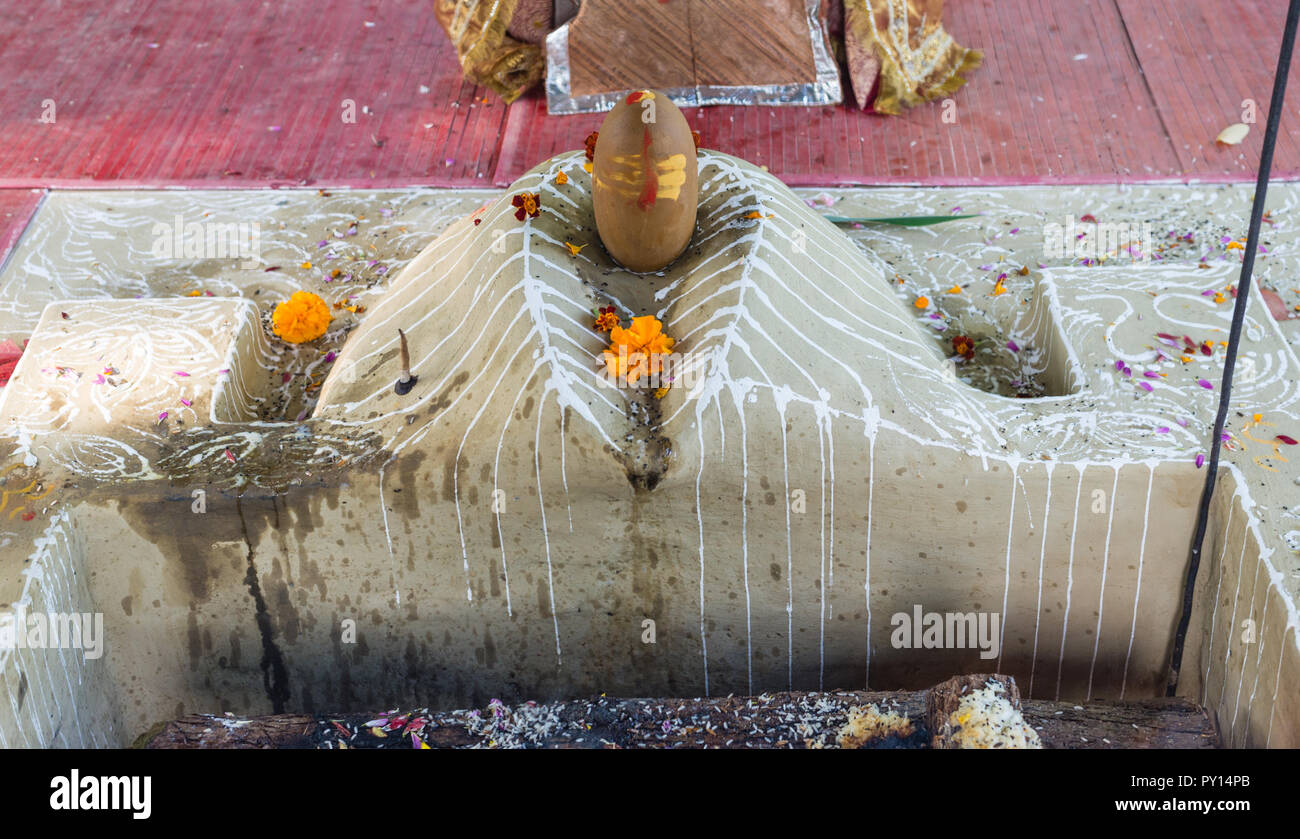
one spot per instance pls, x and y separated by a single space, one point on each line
1238 317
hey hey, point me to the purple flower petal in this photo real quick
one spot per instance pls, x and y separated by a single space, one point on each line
1119 366
1164 429
1203 383
1146 386
1151 374
1200 461
1013 346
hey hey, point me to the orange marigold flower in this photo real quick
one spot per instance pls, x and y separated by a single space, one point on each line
561 178
590 143
639 349
606 319
963 346
303 317
527 205
921 302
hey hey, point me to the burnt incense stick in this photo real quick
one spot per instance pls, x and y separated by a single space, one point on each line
405 381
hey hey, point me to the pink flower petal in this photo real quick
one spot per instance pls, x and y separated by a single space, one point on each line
1205 384
1200 461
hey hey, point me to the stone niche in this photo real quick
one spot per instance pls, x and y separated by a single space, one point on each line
96 365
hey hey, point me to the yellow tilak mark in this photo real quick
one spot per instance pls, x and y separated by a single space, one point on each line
17 510
1273 444
4 499
48 490
672 176
626 177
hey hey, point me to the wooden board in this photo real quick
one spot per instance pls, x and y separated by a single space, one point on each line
630 44
777 720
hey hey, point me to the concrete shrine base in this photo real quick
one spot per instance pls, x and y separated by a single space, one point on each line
514 529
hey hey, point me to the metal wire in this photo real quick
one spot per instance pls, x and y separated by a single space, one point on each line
1234 337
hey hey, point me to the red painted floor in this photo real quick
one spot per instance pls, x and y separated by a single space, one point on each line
16 209
250 94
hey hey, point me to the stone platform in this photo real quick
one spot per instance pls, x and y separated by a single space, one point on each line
497 534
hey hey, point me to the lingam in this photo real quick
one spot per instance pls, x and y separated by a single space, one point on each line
644 182
505 528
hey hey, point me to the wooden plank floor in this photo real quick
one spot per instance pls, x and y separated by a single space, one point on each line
17 206
152 93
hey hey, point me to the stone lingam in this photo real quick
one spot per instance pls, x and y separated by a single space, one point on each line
731 473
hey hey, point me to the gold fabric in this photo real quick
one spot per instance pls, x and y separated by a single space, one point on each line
919 61
489 56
